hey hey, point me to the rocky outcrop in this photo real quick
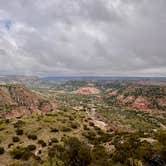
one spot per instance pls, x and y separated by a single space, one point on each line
141 103
17 100
140 97
87 90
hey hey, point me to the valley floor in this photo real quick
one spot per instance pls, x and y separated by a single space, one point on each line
84 130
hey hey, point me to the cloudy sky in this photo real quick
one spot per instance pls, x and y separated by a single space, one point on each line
83 37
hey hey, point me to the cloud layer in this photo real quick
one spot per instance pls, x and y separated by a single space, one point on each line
83 37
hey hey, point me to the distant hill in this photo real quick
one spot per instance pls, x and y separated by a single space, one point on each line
103 78
72 83
29 81
34 81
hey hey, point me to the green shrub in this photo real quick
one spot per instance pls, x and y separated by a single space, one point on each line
20 153
53 140
76 153
71 118
7 121
71 153
42 143
19 132
66 129
85 127
97 128
9 145
91 124
54 130
16 139
99 152
18 124
134 149
100 156
134 162
2 150
32 136
31 147
75 125
90 135
42 102
104 137
161 136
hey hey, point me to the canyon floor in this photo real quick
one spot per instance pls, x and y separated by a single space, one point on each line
92 125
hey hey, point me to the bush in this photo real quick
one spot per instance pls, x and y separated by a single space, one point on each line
134 149
97 128
7 121
38 158
42 102
18 124
16 139
71 153
42 143
104 137
20 153
76 153
90 135
66 129
54 130
19 132
31 147
9 145
161 136
85 127
91 124
32 136
75 125
2 150
53 140
100 156
71 118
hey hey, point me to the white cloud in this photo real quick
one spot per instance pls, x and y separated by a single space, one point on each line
96 37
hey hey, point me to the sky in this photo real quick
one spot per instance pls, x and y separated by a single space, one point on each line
83 37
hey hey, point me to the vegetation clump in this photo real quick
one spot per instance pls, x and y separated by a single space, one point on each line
2 150
54 130
75 125
31 147
42 102
66 129
132 150
16 139
20 153
19 131
42 143
54 140
18 124
32 136
73 153
85 127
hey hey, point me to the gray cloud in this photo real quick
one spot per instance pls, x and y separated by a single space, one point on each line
82 37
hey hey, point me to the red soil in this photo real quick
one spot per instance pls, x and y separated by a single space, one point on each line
87 90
